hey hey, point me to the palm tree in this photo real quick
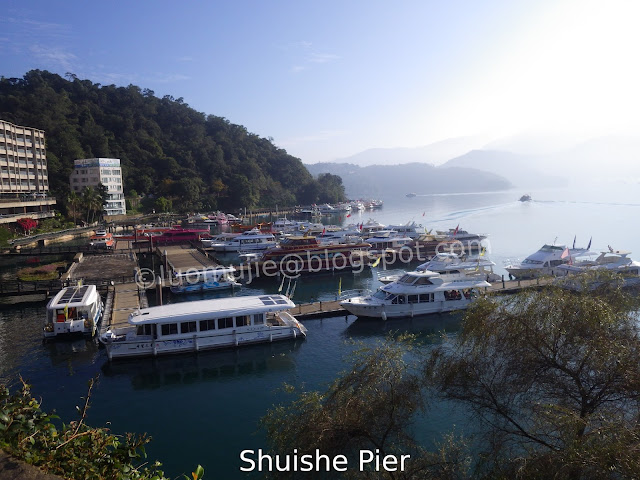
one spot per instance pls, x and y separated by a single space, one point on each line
73 201
91 202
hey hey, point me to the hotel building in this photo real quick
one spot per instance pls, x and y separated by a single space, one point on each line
24 179
89 172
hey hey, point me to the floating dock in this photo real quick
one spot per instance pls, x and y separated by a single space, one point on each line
122 300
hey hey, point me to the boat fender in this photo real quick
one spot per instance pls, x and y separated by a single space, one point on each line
384 314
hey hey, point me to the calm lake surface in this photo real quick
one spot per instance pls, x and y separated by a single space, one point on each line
204 409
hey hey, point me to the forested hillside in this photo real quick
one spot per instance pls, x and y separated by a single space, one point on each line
167 148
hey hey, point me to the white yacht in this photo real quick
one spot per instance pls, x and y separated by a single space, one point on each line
452 266
252 239
409 229
388 240
544 262
74 310
218 241
202 325
415 293
218 278
614 261
371 227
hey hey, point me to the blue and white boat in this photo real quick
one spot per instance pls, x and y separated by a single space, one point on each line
193 281
74 310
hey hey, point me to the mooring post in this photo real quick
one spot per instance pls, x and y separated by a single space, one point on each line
503 282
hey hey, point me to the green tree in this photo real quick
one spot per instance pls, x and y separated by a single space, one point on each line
163 205
371 406
554 376
92 203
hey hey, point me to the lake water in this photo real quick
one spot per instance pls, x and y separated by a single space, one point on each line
205 408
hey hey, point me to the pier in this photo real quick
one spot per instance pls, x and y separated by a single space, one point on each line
122 300
179 258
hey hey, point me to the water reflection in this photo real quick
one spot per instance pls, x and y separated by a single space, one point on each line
211 366
427 328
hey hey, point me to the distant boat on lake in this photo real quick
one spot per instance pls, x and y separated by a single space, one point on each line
525 198
411 195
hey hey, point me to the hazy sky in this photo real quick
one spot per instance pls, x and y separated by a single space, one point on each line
328 79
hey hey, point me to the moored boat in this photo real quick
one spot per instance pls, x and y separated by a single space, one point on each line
545 261
218 278
202 325
416 293
250 240
74 310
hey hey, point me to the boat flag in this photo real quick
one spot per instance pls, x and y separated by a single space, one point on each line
375 264
455 232
66 312
482 252
340 286
589 246
423 213
281 284
324 230
565 254
348 215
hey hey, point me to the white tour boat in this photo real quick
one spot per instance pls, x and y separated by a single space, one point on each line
544 262
409 229
192 281
76 310
252 239
203 325
385 241
415 293
217 242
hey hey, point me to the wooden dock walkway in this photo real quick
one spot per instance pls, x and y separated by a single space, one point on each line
181 258
121 301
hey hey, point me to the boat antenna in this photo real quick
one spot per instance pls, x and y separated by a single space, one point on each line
555 240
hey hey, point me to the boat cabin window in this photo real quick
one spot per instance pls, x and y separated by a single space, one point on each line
207 325
187 327
426 297
242 320
452 295
529 261
144 330
555 263
169 329
398 299
424 281
226 322
380 295
258 318
412 298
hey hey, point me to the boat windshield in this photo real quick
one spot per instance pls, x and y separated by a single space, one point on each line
407 279
528 261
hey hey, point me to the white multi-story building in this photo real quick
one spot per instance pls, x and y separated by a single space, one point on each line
89 172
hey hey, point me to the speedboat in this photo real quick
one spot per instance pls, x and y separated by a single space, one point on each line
544 262
416 293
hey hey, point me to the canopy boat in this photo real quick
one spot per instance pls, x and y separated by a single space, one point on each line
416 293
203 325
74 310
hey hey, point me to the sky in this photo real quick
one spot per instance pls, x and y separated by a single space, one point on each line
326 80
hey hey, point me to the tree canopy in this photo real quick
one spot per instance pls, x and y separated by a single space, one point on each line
166 148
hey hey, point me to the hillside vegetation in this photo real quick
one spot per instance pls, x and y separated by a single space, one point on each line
167 148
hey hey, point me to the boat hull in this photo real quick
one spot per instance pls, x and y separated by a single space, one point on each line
387 311
140 347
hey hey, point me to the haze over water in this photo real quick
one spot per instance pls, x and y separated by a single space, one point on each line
205 408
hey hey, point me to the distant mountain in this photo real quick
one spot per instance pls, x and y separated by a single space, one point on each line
435 153
421 178
520 170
